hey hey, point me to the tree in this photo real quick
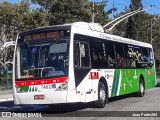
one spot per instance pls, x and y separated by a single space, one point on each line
134 28
18 17
102 16
45 4
155 26
68 11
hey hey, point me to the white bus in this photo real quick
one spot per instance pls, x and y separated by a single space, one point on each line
79 62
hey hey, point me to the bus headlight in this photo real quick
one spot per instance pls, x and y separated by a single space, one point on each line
63 86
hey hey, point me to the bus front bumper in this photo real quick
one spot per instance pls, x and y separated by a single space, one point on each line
41 98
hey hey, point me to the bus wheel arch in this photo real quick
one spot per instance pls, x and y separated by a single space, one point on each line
141 91
102 93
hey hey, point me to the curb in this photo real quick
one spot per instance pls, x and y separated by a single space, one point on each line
6 99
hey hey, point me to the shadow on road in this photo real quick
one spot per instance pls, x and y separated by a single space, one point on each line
70 107
9 106
56 110
121 97
6 106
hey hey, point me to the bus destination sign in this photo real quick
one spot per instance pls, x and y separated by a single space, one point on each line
41 36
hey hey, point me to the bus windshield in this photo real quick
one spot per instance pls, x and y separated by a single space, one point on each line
42 59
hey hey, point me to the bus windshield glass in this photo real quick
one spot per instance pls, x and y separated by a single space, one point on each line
42 55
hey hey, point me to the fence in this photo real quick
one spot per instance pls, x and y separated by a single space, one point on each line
5 81
158 74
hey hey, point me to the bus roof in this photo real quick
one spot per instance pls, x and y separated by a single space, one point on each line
93 27
98 28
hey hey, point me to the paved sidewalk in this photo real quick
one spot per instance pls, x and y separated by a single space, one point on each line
7 97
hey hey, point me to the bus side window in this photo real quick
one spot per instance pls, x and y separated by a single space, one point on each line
120 55
146 57
82 56
76 55
129 56
110 47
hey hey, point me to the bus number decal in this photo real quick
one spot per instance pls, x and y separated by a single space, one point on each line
48 86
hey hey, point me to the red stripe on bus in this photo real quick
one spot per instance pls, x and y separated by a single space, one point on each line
41 82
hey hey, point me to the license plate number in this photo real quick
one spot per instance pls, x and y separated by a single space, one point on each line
49 87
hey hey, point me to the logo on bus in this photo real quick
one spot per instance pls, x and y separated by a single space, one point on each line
149 72
94 75
108 76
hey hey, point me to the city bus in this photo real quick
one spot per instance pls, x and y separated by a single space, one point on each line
79 63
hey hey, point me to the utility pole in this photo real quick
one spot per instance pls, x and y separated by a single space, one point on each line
93 12
93 8
113 10
153 21
151 36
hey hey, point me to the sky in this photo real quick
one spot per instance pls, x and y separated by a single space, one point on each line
121 4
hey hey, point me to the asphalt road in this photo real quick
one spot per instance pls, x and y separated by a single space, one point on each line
117 108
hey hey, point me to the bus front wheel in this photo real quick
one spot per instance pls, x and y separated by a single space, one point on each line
102 96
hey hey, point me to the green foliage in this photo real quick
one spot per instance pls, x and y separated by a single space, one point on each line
67 12
102 15
134 28
18 17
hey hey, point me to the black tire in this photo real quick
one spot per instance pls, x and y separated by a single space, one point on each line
141 91
102 96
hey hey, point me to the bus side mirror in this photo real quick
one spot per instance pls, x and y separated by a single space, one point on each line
8 50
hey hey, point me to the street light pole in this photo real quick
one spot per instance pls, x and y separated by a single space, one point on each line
93 8
152 22
151 37
93 12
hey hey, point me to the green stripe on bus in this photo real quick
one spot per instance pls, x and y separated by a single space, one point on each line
25 88
115 83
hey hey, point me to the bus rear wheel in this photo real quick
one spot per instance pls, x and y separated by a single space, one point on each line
141 91
102 96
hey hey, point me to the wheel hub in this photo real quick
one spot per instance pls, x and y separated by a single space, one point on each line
102 95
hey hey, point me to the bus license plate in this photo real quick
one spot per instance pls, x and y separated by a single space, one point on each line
48 87
39 97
